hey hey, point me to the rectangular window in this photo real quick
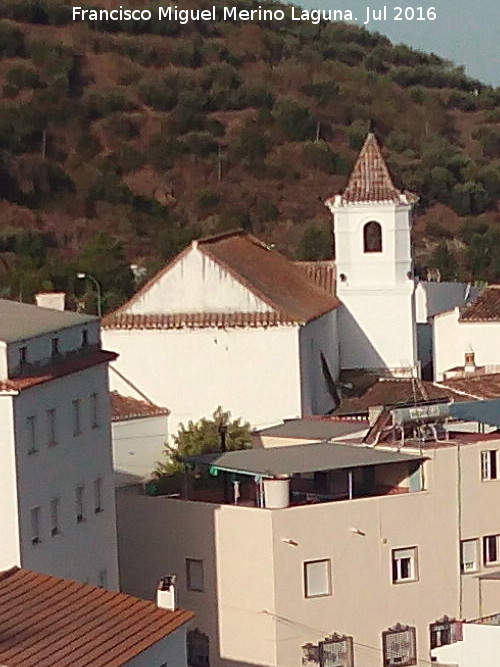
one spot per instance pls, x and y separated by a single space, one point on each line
94 410
317 578
76 417
446 631
55 347
31 434
51 427
491 549
85 338
469 555
35 525
98 495
400 646
54 517
23 356
194 575
80 503
404 565
103 578
489 464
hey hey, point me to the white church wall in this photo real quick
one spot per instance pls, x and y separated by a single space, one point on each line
195 283
9 519
377 330
453 338
253 372
319 337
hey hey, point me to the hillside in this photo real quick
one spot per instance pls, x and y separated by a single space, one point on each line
121 141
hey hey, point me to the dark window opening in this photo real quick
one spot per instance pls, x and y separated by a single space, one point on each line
372 237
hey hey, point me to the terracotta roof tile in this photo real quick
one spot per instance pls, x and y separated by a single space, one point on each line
121 320
370 180
293 296
126 407
485 308
394 391
58 369
51 622
483 386
322 273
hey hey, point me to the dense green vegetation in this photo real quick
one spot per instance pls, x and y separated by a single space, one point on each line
121 142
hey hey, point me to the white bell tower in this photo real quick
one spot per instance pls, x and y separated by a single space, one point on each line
372 221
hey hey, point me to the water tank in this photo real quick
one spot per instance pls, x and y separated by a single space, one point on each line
277 493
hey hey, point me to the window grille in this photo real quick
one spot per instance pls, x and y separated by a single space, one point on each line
372 237
336 651
445 631
399 646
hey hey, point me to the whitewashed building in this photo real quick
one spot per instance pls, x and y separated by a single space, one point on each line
474 328
57 508
229 322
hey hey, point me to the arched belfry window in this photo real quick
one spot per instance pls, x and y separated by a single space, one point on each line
372 237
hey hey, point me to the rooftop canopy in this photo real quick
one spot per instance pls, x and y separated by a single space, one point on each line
294 459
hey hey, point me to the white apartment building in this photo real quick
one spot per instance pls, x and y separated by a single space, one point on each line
373 543
57 508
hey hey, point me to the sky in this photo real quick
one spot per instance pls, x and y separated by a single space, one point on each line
465 31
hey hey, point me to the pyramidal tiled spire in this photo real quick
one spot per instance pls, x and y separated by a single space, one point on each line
370 180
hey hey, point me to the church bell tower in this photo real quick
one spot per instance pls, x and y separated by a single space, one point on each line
372 222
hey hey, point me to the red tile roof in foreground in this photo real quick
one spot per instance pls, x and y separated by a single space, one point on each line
485 308
195 320
483 386
271 277
393 391
370 180
57 370
126 407
50 622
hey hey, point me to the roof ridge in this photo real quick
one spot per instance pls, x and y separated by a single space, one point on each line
213 238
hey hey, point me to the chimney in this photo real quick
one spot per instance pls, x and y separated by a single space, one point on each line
54 300
470 361
166 593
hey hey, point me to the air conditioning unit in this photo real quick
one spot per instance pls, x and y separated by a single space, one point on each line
470 566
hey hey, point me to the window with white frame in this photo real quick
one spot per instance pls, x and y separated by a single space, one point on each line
489 464
94 410
51 427
317 578
194 575
491 549
404 565
77 421
35 525
469 555
31 434
80 503
54 517
98 495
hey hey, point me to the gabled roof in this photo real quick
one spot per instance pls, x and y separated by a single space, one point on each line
267 274
485 308
389 392
19 321
476 385
55 622
370 180
323 273
125 407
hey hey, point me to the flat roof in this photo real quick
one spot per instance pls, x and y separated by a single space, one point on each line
19 321
314 429
318 456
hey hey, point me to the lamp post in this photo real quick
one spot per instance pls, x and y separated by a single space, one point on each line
83 275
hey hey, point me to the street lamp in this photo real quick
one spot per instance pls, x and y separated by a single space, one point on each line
83 275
